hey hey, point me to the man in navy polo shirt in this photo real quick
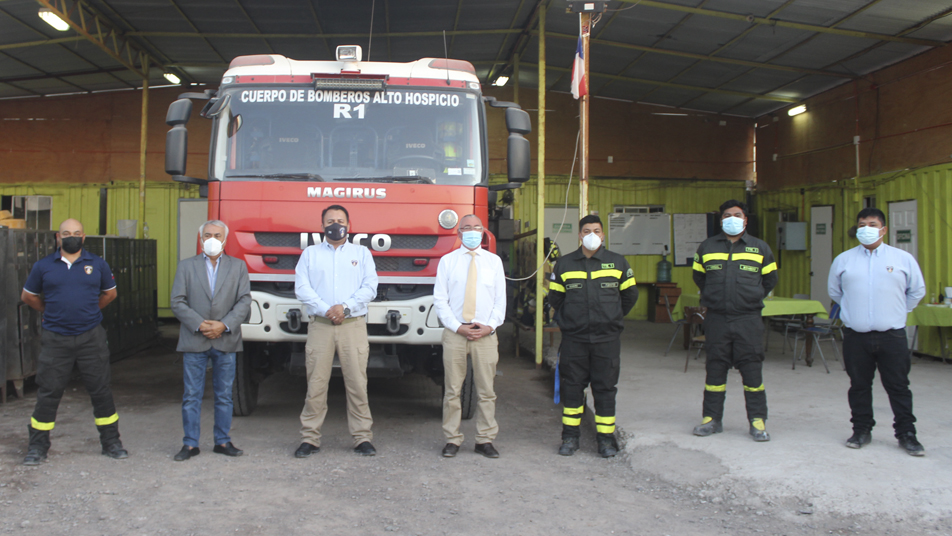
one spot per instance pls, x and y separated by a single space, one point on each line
75 285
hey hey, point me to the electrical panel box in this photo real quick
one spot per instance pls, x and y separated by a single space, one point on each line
792 235
577 6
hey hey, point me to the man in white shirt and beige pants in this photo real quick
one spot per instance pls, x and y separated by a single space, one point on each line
470 299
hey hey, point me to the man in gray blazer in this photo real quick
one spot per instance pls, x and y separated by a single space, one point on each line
211 297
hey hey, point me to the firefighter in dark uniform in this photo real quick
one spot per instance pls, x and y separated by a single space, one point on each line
734 271
591 290
75 285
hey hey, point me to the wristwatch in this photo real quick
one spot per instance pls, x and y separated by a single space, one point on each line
346 312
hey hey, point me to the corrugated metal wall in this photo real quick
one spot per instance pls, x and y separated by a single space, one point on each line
931 186
677 196
81 201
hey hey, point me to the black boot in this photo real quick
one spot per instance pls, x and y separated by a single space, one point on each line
38 447
569 446
607 446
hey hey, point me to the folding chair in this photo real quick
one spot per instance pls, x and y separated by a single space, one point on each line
694 318
679 324
820 333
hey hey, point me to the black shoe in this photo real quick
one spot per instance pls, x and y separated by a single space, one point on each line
115 451
450 450
909 442
365 449
186 453
607 447
34 456
858 439
569 446
487 450
708 426
305 450
758 430
228 449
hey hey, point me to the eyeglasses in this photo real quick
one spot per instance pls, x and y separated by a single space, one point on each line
477 228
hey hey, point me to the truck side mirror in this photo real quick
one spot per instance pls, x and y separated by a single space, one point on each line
176 150
518 157
179 112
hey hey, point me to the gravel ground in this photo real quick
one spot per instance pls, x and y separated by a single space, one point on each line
653 489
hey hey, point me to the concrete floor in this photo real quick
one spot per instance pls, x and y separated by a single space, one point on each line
805 467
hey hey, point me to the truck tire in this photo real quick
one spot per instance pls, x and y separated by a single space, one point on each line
245 390
467 396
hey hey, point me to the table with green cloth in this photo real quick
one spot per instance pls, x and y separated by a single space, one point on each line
939 316
773 306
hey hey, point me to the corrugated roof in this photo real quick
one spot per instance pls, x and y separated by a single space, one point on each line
744 57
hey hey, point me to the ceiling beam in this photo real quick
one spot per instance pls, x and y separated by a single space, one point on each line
200 35
101 33
705 57
550 67
42 42
786 24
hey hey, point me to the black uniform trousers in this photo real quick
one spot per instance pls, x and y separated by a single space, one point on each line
582 363
734 341
888 351
89 352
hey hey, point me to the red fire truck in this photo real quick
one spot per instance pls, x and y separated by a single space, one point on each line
403 146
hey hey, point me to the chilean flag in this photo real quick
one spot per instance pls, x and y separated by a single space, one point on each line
579 80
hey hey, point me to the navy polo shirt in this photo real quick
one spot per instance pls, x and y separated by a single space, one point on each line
70 293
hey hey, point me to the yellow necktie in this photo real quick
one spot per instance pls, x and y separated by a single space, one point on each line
469 299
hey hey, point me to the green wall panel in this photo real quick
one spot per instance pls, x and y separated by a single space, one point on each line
677 196
81 201
930 186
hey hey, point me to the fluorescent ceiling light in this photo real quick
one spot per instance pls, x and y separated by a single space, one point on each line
501 81
797 110
53 19
172 78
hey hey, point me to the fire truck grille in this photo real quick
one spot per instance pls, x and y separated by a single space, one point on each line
384 264
396 264
293 240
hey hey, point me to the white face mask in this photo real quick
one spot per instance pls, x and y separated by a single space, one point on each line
868 235
591 241
212 247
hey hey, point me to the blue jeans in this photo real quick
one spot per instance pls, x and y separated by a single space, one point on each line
223 377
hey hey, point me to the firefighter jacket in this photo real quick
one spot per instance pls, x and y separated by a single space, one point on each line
734 277
591 296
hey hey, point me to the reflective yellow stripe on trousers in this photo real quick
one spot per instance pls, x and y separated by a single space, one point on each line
103 421
605 425
44 426
572 416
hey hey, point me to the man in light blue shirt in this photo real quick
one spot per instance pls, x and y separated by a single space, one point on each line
876 286
335 280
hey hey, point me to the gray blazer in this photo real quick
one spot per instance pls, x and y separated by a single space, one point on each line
192 303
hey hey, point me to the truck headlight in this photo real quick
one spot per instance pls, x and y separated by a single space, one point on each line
448 219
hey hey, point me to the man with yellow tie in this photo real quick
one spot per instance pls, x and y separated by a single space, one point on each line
470 299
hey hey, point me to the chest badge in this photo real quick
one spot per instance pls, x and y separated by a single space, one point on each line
89 270
354 262
889 269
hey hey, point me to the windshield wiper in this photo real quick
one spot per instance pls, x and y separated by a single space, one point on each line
289 176
416 178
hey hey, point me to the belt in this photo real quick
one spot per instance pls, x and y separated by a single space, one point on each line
325 320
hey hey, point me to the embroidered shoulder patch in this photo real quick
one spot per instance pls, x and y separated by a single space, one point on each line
631 273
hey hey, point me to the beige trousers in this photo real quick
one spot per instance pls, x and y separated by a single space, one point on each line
349 340
485 356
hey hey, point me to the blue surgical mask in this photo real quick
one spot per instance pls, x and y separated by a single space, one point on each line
868 235
733 225
472 239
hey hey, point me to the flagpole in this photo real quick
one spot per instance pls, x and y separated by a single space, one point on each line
585 21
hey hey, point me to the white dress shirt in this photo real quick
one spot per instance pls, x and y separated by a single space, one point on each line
326 276
450 288
875 289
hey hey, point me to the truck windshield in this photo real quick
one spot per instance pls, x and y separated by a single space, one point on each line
398 135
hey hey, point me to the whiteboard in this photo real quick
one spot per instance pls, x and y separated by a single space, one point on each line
639 234
689 231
